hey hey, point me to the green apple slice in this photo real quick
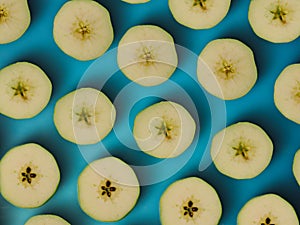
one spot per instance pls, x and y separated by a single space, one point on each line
147 55
296 166
82 29
14 19
275 20
136 1
84 116
164 130
242 150
199 14
287 92
25 90
267 209
190 201
46 219
29 176
108 189
227 69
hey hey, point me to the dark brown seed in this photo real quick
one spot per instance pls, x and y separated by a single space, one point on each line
268 220
194 209
23 179
28 169
112 189
24 174
108 183
103 187
103 193
191 214
32 175
190 203
28 180
185 213
108 194
185 208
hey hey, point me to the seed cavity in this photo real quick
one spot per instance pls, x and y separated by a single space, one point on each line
201 3
279 13
164 129
296 92
227 70
83 29
268 220
85 115
3 14
21 90
28 175
242 149
190 209
147 55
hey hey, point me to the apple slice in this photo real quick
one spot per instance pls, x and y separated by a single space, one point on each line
275 20
267 209
199 14
46 219
82 29
227 69
29 176
14 19
136 1
287 92
190 201
242 150
164 130
25 90
108 189
296 166
84 116
147 55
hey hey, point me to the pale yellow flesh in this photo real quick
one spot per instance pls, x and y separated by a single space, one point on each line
37 95
177 196
136 1
227 69
154 141
275 27
147 55
20 192
259 209
192 14
234 164
296 166
99 205
46 219
84 116
287 92
14 19
82 29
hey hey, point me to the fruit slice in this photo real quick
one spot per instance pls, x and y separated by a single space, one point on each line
84 116
14 19
275 20
108 189
199 14
242 150
226 68
82 29
46 219
190 201
147 55
296 166
29 176
164 130
25 90
267 209
136 1
287 92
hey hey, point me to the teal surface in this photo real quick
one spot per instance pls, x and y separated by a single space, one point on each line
66 74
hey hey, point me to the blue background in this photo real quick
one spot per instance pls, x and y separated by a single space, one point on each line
37 46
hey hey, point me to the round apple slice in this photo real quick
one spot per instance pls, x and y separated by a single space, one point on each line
14 19
164 130
199 14
29 176
136 1
242 150
25 90
190 201
84 116
46 219
108 189
82 29
296 166
267 209
287 92
226 68
275 20
147 55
